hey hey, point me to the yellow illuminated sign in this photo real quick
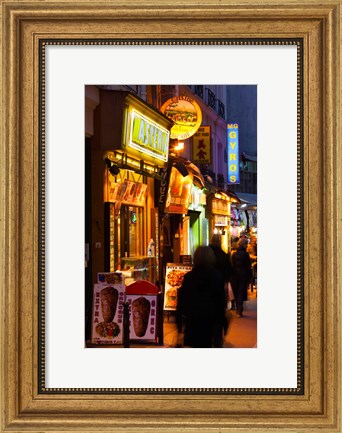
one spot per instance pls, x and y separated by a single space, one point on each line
185 113
201 146
148 137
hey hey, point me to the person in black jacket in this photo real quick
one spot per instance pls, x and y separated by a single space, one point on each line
222 261
201 302
242 274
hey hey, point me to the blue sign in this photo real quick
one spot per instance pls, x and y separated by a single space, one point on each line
233 153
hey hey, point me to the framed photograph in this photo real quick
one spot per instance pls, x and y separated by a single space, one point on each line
50 381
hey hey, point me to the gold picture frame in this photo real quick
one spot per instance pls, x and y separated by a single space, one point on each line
24 25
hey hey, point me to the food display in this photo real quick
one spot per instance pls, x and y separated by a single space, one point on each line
175 277
104 329
140 312
173 280
107 318
171 298
143 316
109 299
110 277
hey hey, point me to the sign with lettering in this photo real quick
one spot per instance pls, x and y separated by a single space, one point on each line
107 317
201 146
233 153
220 207
148 137
185 113
162 187
173 280
143 317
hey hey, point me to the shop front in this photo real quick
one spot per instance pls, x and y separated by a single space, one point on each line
130 148
244 214
218 210
181 204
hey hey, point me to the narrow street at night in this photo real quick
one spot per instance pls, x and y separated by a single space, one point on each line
242 331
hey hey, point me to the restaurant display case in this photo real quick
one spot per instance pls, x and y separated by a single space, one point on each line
139 268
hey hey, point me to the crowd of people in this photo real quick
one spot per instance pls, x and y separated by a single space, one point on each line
218 279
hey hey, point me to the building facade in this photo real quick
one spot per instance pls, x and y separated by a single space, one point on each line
152 195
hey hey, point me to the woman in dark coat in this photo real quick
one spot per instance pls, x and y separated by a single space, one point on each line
242 274
222 262
201 302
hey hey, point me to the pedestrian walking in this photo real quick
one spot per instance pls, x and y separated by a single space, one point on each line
242 274
233 250
252 249
222 262
201 302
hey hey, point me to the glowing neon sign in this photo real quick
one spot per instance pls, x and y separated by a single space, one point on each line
148 137
233 153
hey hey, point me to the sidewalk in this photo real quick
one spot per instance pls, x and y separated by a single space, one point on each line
242 331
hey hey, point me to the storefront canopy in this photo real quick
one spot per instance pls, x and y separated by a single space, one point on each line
249 199
185 166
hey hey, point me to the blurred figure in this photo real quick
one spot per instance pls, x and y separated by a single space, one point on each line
222 261
233 250
252 248
201 302
252 251
242 274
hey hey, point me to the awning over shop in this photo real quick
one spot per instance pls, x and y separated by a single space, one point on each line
249 199
185 166
198 179
233 196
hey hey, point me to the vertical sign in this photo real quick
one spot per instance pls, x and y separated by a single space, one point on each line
201 146
233 153
162 187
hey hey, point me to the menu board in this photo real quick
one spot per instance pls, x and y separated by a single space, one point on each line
107 318
127 192
173 280
135 193
143 317
116 190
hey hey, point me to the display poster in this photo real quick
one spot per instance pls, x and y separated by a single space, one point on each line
173 280
107 319
143 317
179 193
135 193
127 192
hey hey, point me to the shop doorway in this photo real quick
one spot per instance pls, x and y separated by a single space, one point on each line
131 229
124 234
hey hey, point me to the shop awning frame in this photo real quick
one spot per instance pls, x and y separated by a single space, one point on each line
191 168
123 161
